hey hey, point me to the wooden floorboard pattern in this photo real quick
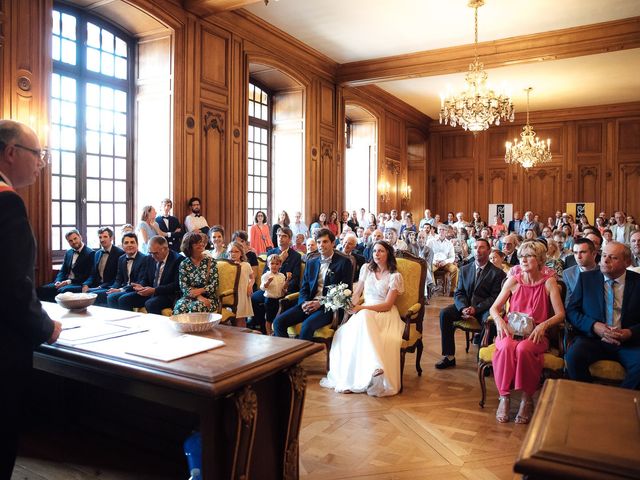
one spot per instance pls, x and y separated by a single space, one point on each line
434 429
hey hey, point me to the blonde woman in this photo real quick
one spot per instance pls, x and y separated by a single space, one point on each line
533 291
147 228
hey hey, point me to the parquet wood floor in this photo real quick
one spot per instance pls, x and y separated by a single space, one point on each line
434 429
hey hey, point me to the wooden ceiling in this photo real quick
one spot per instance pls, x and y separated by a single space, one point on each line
211 7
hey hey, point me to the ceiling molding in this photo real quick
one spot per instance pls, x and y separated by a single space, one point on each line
203 8
566 43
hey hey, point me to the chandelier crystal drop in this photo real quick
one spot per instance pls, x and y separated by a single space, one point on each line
477 107
530 150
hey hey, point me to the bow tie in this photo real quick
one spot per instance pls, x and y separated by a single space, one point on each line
130 259
197 215
166 217
105 252
325 261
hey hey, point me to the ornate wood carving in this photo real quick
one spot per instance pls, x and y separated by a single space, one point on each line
297 382
393 166
246 402
213 121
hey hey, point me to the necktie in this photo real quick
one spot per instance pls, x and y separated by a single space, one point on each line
610 301
129 267
478 274
156 280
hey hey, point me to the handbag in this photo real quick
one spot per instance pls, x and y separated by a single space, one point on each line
521 324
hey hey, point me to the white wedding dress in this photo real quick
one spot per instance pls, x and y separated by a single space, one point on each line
367 342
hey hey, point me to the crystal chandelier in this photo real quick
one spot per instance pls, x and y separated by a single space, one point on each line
477 106
530 151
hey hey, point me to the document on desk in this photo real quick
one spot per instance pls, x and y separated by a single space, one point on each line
172 348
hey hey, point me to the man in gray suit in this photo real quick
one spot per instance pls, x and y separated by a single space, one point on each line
621 230
584 252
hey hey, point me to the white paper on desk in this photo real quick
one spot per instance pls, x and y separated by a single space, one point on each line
173 348
89 331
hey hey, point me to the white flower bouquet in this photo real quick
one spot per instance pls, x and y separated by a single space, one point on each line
338 297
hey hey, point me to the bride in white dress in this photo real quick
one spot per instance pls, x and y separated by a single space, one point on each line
365 353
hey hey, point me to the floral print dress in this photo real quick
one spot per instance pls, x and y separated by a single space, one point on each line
191 276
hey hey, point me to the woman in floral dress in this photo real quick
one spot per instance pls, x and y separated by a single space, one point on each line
197 276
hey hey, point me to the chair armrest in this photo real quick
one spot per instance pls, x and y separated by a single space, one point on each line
289 301
226 293
413 310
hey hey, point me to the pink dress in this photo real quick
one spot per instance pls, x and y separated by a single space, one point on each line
520 362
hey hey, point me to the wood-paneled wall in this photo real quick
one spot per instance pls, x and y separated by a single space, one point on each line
596 158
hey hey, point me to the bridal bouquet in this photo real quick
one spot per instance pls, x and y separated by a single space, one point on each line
338 297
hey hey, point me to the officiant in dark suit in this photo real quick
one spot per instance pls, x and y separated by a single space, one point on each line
329 268
23 322
479 285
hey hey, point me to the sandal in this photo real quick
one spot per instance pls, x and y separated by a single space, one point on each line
525 412
502 414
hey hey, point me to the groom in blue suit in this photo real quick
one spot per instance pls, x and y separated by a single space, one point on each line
605 309
330 268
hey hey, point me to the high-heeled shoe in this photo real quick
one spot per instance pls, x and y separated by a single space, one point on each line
502 413
525 412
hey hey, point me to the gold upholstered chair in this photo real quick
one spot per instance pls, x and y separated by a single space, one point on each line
228 279
553 366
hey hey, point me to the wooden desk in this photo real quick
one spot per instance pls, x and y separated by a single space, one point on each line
582 431
253 383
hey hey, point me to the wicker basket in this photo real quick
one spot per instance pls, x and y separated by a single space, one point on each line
195 322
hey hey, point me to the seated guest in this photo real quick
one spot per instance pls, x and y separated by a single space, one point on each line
375 236
197 277
148 227
553 258
105 266
131 269
444 255
76 269
300 246
321 272
349 249
216 239
170 225
595 237
584 252
312 249
496 257
635 249
195 221
509 245
479 284
519 361
604 309
607 236
621 230
568 231
290 264
159 286
391 237
298 226
274 284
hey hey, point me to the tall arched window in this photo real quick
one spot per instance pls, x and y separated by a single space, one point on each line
91 125
259 168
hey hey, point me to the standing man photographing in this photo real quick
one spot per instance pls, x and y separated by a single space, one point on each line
24 325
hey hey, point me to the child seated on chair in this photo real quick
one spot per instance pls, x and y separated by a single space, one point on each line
275 285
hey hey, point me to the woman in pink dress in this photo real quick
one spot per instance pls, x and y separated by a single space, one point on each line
532 290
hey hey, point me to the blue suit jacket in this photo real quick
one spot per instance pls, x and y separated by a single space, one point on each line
110 268
138 270
291 264
587 305
570 278
340 271
168 282
82 268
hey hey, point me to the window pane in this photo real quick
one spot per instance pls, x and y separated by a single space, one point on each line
120 191
263 169
55 48
106 98
68 89
121 47
106 167
120 121
54 136
68 187
263 135
68 138
68 114
68 26
120 101
106 144
93 166
55 110
108 66
107 121
55 188
106 212
93 190
55 213
120 214
93 118
121 145
93 213
68 52
56 23
93 35
93 59
251 109
265 114
106 193
93 95
120 169
93 142
55 239
68 163
107 41
250 168
121 68
55 85
55 161
68 213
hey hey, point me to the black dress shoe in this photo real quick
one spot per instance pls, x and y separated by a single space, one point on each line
445 363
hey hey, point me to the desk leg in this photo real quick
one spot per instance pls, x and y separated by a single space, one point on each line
246 402
297 387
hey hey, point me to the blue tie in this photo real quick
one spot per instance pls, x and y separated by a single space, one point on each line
610 301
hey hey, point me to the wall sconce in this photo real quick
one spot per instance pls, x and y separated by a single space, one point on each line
406 193
385 191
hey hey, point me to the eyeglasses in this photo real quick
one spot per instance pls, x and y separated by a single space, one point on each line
526 255
42 154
